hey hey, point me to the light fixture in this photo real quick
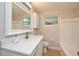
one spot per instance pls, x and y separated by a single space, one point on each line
28 4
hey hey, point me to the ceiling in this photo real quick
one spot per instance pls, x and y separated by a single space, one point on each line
42 7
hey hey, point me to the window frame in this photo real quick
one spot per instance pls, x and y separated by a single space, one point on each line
50 16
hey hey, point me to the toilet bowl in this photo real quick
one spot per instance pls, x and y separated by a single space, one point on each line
50 44
54 44
45 46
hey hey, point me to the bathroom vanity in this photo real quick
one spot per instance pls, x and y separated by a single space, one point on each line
17 19
25 47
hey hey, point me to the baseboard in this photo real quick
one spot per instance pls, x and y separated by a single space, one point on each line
65 52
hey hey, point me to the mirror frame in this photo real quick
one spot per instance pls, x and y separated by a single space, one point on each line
8 18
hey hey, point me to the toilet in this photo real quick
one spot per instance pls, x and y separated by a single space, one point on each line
45 46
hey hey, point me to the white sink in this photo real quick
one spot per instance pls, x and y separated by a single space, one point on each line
25 46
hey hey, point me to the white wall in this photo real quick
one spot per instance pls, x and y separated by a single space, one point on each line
53 32
48 31
1 24
77 12
1 20
0 48
69 35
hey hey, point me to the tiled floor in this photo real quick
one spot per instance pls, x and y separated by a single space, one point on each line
53 52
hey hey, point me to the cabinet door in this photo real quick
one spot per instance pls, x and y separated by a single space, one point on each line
39 50
35 20
5 52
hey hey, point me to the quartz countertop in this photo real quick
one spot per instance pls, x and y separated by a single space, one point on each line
25 46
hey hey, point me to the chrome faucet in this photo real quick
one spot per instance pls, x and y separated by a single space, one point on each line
27 36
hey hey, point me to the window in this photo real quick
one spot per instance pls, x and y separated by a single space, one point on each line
50 20
26 21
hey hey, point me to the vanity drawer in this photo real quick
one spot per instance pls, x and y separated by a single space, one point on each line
5 52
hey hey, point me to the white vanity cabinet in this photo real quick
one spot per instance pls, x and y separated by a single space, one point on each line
35 20
29 47
39 50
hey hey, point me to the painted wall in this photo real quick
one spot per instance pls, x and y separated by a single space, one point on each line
1 21
69 34
0 48
1 24
77 11
48 31
53 32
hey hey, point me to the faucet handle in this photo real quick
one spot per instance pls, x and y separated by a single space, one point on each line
15 35
26 35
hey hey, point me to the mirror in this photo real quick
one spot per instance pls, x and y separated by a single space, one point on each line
20 19
17 18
